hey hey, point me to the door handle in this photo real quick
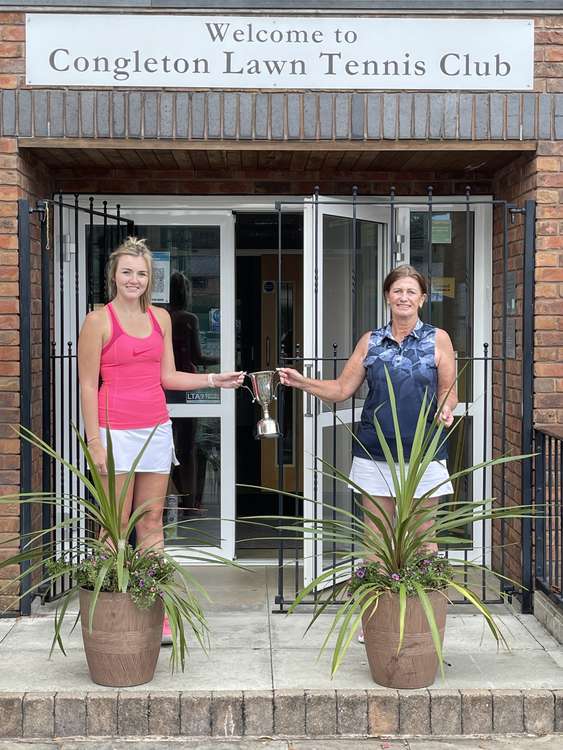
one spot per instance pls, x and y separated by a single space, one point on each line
309 401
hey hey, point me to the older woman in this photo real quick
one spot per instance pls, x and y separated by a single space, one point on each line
420 360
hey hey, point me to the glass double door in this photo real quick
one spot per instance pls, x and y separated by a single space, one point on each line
347 254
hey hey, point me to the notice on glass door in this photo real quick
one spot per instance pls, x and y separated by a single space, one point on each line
161 277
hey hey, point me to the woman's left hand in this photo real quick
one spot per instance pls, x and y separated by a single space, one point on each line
446 416
228 379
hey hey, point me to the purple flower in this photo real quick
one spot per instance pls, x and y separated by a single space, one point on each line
360 573
395 576
141 582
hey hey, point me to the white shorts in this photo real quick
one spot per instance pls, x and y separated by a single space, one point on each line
375 478
159 454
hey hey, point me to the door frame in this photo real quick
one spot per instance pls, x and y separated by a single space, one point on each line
144 211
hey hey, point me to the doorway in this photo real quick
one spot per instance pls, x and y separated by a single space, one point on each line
269 322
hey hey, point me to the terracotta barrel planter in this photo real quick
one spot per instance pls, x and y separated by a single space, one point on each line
416 664
123 647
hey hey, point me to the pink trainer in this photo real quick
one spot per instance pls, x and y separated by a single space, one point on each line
166 632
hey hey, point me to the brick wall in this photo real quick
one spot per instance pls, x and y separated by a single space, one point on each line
20 177
549 54
515 183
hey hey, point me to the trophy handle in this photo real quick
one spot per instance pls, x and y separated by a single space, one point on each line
275 385
250 391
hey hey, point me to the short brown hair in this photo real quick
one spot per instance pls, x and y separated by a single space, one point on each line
402 272
138 249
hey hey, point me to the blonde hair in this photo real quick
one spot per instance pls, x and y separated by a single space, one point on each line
138 249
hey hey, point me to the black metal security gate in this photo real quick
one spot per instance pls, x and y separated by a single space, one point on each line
70 232
328 364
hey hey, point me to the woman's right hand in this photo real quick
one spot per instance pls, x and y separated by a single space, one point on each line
291 377
99 455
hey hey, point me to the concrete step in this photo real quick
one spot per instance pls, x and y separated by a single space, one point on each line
281 713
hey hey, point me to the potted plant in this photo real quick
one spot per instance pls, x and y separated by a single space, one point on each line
123 592
393 588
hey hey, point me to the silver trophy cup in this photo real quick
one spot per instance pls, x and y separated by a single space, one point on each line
264 386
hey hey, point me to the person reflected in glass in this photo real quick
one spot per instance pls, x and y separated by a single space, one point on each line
420 360
128 343
189 475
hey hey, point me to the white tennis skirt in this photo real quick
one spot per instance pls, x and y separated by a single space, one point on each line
375 478
159 454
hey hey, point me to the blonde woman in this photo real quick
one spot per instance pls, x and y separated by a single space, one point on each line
128 344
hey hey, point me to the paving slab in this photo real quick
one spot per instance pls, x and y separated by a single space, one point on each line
487 743
5 626
236 630
223 669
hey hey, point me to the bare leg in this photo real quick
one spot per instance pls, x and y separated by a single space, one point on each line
432 547
150 492
119 482
388 505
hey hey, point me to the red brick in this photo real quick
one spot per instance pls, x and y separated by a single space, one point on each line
8 305
549 243
545 385
548 369
10 445
543 291
9 17
548 164
549 400
10 461
9 81
12 33
549 274
550 180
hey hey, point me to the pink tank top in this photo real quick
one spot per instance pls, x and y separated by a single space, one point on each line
131 394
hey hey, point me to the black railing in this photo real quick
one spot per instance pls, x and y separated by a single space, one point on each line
548 498
489 387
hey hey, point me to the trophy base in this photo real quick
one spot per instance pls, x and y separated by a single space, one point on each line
267 428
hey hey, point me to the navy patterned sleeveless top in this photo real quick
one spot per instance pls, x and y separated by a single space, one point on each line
413 372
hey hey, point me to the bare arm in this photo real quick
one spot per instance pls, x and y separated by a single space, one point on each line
173 380
348 382
90 342
447 390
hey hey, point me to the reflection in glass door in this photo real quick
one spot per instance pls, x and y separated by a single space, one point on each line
457 263
345 303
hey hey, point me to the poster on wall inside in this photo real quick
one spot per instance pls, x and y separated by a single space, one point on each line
441 229
161 277
443 286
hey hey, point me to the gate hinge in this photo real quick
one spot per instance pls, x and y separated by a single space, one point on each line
41 209
513 211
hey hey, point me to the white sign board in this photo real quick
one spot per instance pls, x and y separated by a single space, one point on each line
279 52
